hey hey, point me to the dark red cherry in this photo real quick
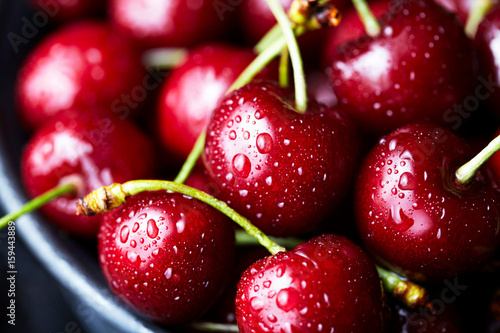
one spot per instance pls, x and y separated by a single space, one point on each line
418 67
90 151
412 216
77 66
64 10
167 23
282 170
325 285
488 50
166 255
193 90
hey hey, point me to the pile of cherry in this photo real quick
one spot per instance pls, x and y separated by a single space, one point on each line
379 156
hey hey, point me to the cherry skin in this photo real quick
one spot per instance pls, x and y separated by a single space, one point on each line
166 255
90 151
193 90
77 67
412 216
325 285
486 42
418 67
282 170
167 23
64 10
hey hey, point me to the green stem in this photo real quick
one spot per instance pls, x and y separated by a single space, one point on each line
411 294
38 202
107 198
191 160
244 239
214 327
293 47
164 58
269 38
465 174
370 22
283 69
478 11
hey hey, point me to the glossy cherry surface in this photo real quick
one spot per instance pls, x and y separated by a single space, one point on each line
418 67
90 151
77 67
282 170
66 10
488 50
166 255
412 216
325 285
167 23
193 90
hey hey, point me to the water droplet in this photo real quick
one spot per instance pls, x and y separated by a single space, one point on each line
407 181
281 204
393 144
258 115
264 143
124 232
241 165
246 135
269 180
394 190
267 284
299 170
243 193
272 318
156 252
133 243
230 123
152 229
142 216
280 271
287 299
238 119
438 236
135 227
168 273
232 135
132 256
256 303
181 224
286 142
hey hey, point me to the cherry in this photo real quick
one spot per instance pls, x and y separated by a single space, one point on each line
486 41
87 150
77 67
327 284
64 10
193 90
419 66
414 217
283 170
151 23
166 255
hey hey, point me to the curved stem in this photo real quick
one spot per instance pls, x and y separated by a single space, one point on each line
191 160
370 22
242 238
269 38
478 11
283 69
411 294
38 202
465 174
293 47
214 327
107 198
164 58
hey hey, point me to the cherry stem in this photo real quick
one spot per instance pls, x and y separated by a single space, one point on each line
411 294
283 69
107 198
372 27
476 14
191 160
38 202
214 327
164 58
269 38
465 174
244 239
293 47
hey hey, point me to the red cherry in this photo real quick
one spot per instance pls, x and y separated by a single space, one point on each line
418 67
167 23
88 150
486 41
76 67
410 214
325 285
282 170
166 255
193 90
64 10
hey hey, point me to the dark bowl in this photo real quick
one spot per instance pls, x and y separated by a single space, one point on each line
72 263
